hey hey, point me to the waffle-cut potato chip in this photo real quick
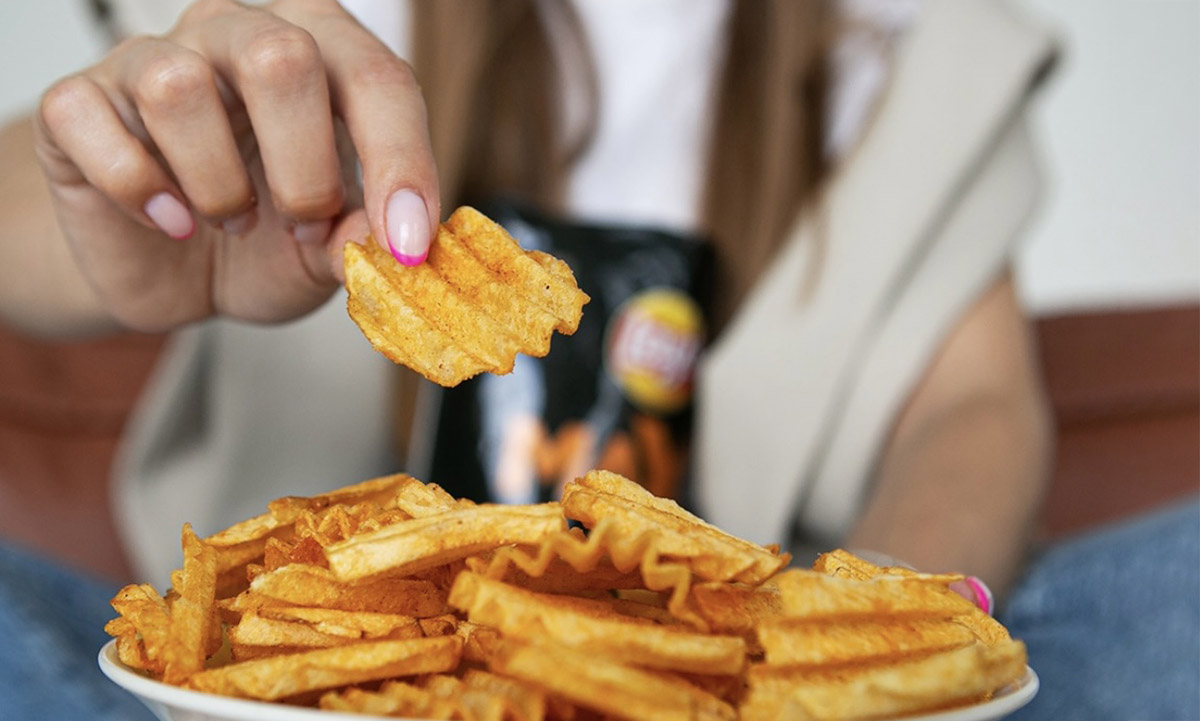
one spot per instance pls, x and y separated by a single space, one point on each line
708 551
534 617
636 530
390 597
280 677
829 642
843 564
380 492
143 626
270 629
735 607
910 685
809 594
477 301
193 613
612 688
302 585
523 701
558 576
422 543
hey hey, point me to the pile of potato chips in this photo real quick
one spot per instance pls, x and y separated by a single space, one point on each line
392 598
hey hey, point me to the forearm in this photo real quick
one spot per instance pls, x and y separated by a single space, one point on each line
963 493
42 291
959 484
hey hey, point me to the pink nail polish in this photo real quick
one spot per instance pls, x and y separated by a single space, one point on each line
171 216
407 222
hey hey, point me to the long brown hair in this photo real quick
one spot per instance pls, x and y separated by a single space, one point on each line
491 82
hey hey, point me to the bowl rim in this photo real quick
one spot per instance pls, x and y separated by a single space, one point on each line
226 708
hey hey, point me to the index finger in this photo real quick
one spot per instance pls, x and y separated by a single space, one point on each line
377 95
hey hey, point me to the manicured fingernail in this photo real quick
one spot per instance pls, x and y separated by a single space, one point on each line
240 224
407 222
972 587
170 215
315 231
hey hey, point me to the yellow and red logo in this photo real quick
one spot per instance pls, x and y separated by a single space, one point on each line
653 341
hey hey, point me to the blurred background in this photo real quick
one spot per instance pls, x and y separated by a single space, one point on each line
1111 267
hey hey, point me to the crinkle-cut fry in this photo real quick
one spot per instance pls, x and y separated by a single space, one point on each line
422 543
477 301
789 641
625 552
301 585
925 683
607 686
279 677
710 552
193 614
572 622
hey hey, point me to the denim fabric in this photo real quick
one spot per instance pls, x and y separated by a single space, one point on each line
1112 622
51 630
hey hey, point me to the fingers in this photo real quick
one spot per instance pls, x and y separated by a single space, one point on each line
96 143
175 92
279 73
226 70
378 97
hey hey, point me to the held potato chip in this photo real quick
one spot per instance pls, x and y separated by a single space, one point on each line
477 301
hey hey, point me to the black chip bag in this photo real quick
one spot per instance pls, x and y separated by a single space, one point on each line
615 395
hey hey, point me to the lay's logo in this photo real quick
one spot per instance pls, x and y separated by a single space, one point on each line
651 349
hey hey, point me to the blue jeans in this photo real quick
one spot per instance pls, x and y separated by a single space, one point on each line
51 630
1111 619
1112 622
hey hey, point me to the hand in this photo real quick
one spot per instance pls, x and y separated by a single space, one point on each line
210 170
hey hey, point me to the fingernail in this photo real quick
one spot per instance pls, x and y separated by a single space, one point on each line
240 224
978 591
407 222
170 215
315 231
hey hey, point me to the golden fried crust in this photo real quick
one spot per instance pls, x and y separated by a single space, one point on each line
475 303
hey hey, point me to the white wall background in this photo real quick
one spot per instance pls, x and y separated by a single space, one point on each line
1120 130
1119 125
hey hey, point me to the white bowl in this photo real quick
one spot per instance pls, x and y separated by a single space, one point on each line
171 703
